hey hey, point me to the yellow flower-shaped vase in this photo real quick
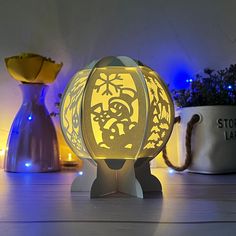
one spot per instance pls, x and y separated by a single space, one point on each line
32 68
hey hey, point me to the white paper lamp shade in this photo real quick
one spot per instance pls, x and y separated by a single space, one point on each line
117 108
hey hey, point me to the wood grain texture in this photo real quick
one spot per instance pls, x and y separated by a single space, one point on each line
42 204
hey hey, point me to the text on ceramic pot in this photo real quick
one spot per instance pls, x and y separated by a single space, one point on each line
227 124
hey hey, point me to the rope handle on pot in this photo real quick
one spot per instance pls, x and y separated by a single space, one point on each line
195 118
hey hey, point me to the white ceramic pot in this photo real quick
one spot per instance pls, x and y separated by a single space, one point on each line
213 139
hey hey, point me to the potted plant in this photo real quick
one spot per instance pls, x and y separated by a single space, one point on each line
212 98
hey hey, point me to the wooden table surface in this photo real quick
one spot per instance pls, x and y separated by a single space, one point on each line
191 204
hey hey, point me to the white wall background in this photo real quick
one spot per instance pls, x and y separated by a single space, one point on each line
178 38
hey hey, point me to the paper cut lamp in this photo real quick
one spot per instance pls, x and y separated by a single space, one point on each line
118 112
32 142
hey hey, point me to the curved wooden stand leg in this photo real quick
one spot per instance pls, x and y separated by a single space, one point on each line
105 183
150 184
84 182
137 182
127 182
110 181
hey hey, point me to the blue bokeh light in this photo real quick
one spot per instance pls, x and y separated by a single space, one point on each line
189 80
28 164
30 117
181 74
80 173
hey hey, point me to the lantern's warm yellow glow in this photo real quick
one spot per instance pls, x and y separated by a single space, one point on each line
2 154
3 143
117 109
69 157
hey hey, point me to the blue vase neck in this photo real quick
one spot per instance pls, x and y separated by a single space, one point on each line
33 93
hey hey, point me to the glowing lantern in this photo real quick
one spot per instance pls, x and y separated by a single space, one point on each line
117 109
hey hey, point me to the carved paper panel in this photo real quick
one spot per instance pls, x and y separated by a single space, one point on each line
161 114
71 113
114 113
